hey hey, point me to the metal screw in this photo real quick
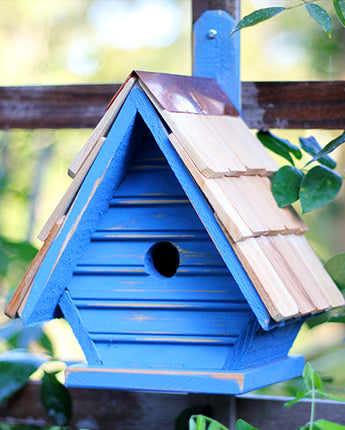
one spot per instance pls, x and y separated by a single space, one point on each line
212 34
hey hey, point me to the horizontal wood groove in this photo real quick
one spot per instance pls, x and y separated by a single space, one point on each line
162 305
139 270
148 234
307 104
128 338
148 167
147 201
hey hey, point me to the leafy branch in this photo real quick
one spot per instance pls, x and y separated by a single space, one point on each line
314 187
316 12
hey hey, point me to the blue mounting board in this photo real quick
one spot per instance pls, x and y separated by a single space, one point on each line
217 53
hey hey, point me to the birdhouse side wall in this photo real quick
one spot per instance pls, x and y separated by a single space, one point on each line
257 346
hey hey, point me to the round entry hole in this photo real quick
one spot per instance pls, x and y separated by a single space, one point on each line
162 258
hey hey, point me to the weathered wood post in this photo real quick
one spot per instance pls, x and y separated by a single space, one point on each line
216 54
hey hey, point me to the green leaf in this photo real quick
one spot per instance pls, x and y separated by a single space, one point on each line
56 399
339 7
192 423
299 396
286 185
319 186
317 320
22 250
312 379
335 266
24 337
328 425
16 367
214 425
337 319
257 16
46 343
331 146
243 425
320 16
279 146
200 422
312 147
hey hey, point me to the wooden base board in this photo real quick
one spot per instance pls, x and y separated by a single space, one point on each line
185 381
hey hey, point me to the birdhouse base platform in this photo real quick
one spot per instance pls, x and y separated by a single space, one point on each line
185 381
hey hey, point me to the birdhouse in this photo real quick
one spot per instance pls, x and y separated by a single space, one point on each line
168 255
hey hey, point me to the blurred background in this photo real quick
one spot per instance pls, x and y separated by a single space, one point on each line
102 41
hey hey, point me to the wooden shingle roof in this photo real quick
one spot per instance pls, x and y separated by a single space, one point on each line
233 171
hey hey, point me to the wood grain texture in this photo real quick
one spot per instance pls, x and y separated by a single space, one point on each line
324 281
244 204
305 105
20 295
221 204
220 145
54 106
208 148
293 284
267 281
284 246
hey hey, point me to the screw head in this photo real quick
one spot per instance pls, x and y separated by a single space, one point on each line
212 34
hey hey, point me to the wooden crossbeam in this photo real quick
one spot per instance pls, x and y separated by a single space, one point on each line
88 409
292 105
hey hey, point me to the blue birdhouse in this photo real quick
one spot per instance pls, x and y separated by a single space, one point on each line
168 255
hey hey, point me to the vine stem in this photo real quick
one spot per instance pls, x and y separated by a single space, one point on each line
304 2
312 411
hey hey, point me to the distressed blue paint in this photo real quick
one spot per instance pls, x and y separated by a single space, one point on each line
151 217
218 58
209 286
132 252
164 355
178 321
256 345
201 206
179 382
72 315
